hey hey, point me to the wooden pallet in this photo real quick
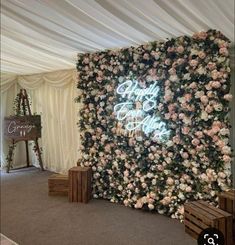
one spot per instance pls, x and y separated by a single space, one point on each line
200 215
58 184
80 188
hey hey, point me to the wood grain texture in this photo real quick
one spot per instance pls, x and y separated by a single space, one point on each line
199 215
80 184
58 184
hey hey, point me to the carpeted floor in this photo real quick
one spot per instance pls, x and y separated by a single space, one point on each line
30 217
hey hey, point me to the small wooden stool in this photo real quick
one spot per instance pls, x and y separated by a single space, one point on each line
200 215
80 188
58 184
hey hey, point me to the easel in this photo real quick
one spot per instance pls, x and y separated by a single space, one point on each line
23 103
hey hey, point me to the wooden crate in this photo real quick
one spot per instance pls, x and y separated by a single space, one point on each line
199 215
80 188
227 202
58 184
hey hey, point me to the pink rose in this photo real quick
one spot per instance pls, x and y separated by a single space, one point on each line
220 143
199 134
226 158
166 200
215 129
160 167
228 97
176 139
223 51
185 130
204 99
209 109
167 62
202 55
193 63
199 148
167 83
180 61
167 116
180 49
192 151
170 49
188 97
193 85
195 142
170 181
215 74
211 66
172 71
185 155
188 189
215 138
201 35
174 116
216 84
181 116
171 107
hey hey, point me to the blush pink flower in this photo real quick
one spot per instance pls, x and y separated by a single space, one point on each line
223 51
202 55
195 142
188 97
199 134
215 129
185 155
211 65
209 109
176 139
185 130
204 99
180 49
193 85
216 84
227 158
228 97
193 63
215 74
170 181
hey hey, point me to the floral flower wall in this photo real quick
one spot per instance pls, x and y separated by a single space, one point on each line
193 161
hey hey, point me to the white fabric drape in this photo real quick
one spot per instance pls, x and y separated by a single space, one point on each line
40 35
52 95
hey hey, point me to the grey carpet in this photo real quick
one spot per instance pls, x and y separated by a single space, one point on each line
30 217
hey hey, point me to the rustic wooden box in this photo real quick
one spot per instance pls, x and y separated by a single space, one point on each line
80 188
227 202
199 215
58 184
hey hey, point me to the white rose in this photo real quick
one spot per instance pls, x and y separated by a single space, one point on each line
204 116
181 196
218 107
154 182
151 206
199 94
226 150
224 131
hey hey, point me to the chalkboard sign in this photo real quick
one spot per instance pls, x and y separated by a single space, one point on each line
22 127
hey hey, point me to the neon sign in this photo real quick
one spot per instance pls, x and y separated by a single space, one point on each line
138 118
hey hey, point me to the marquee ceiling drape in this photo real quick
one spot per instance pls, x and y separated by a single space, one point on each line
45 35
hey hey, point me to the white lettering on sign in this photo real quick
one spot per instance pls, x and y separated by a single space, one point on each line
12 128
137 118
